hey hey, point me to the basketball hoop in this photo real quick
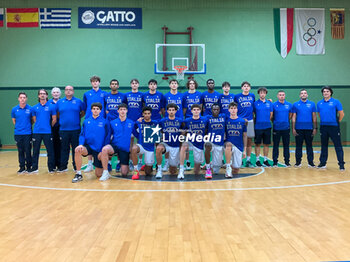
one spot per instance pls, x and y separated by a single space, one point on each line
180 71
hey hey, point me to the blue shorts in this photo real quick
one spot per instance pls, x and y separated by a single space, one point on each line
97 163
123 156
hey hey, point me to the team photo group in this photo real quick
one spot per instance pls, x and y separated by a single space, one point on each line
219 129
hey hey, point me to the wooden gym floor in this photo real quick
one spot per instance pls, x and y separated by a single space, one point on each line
280 214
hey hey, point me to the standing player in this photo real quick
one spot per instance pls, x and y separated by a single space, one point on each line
331 113
216 128
226 98
113 100
69 110
44 117
154 99
56 94
93 136
209 97
22 119
282 113
171 131
143 147
191 97
94 95
245 102
304 123
263 110
195 126
121 129
236 141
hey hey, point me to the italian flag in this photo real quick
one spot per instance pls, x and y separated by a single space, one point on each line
283 21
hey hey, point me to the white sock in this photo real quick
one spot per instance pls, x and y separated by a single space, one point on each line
227 165
182 167
136 167
89 162
110 162
207 166
265 158
79 172
248 158
159 167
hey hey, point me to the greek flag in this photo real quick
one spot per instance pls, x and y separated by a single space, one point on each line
55 17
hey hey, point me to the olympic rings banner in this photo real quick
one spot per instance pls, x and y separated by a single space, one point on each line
310 29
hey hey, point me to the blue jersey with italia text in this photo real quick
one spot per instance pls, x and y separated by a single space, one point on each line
94 133
43 114
262 110
216 128
93 96
177 99
207 100
328 111
234 132
304 111
69 113
121 132
112 101
23 116
281 115
197 127
156 102
134 102
224 102
189 100
245 105
171 131
139 133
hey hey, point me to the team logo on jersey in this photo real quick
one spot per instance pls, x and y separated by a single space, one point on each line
151 134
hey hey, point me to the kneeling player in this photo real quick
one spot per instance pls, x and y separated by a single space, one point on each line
236 141
216 129
93 136
143 147
120 129
196 127
171 130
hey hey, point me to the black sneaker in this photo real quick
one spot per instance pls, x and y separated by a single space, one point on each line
258 163
297 165
287 164
275 164
342 168
321 166
33 171
312 165
248 164
77 178
22 170
267 164
61 170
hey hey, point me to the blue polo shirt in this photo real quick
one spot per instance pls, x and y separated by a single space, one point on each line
156 102
281 115
94 133
245 104
234 132
121 132
303 111
53 103
134 102
69 113
171 131
262 112
189 100
216 128
43 114
198 127
93 96
23 118
177 99
224 102
328 111
112 101
207 100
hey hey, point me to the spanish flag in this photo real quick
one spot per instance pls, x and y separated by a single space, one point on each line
22 17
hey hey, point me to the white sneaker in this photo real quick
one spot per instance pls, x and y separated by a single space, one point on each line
181 174
89 168
159 174
228 172
166 167
105 176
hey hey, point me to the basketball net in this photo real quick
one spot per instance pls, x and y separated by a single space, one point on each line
180 72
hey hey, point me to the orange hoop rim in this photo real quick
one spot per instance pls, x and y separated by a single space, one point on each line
180 68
